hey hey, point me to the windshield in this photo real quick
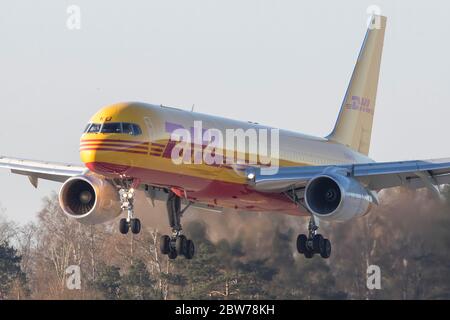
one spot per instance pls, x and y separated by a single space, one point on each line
114 127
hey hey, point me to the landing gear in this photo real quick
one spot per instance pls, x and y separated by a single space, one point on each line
177 244
314 243
127 199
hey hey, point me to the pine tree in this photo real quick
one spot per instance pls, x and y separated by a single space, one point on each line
109 281
137 284
11 273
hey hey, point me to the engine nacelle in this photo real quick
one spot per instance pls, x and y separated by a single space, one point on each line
337 197
89 199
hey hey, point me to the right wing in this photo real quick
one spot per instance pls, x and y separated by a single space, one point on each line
36 170
374 176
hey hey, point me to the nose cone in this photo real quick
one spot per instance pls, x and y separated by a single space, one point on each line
93 152
88 150
105 156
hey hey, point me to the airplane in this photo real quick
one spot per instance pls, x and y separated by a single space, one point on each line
128 146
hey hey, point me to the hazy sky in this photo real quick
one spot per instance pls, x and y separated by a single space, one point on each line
280 63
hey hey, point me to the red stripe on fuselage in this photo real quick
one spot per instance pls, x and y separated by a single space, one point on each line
113 145
126 150
158 145
115 140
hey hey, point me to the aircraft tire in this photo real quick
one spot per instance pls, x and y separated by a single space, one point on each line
124 226
190 250
180 244
164 244
325 252
317 243
135 226
301 243
172 254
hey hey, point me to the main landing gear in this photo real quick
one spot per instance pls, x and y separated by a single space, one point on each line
313 243
177 244
127 199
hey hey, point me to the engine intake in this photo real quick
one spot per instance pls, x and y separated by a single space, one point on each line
89 199
337 197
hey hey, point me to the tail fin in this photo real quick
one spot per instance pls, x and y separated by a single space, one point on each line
353 127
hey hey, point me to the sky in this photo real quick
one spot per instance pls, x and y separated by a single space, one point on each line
281 63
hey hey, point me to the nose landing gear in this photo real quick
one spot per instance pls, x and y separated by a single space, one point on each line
127 200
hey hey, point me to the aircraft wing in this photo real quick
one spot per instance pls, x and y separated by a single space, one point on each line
375 176
36 170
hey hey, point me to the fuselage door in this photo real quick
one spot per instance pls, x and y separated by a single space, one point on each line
150 128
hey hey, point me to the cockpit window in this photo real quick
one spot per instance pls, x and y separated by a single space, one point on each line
131 129
87 127
112 127
94 128
137 130
127 128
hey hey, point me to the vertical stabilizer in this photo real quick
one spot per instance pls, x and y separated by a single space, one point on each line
353 127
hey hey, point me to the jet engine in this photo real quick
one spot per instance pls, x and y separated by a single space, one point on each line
337 197
90 199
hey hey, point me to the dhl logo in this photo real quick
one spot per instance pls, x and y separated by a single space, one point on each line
360 103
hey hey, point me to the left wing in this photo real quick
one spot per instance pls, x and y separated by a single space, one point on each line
36 170
374 176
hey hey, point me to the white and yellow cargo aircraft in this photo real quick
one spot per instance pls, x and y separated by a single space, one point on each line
129 146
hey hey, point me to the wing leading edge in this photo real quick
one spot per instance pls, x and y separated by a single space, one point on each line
36 170
374 176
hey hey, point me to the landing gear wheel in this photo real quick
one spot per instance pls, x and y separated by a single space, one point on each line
308 254
180 244
172 254
317 242
190 250
325 252
123 226
164 245
301 243
135 225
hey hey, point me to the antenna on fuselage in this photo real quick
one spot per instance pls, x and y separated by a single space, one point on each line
193 107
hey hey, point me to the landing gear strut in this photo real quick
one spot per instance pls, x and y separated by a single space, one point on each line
313 243
177 244
127 200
